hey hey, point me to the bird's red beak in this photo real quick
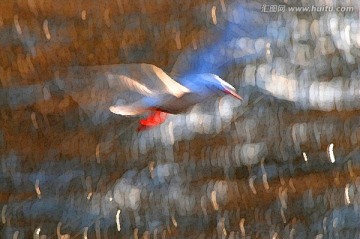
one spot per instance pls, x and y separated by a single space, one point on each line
233 93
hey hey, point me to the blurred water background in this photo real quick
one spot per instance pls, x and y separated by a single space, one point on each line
281 164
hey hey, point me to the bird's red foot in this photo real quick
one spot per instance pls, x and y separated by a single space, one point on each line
154 119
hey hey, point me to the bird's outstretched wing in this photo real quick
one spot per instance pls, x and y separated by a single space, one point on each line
120 88
145 79
135 108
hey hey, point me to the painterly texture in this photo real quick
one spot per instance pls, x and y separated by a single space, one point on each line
283 163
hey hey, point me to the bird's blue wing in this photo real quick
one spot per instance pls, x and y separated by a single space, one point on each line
241 37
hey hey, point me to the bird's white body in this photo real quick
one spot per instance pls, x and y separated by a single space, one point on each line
175 105
176 97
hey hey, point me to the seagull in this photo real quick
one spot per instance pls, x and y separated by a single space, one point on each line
170 96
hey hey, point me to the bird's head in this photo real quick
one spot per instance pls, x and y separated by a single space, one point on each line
221 85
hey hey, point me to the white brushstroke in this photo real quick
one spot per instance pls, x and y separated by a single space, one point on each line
347 198
16 234
118 220
37 233
264 177
83 15
213 15
171 133
17 25
251 184
86 232
213 200
33 120
46 93
88 197
242 228
347 34
305 157
58 230
46 29
37 188
174 221
331 153
324 225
